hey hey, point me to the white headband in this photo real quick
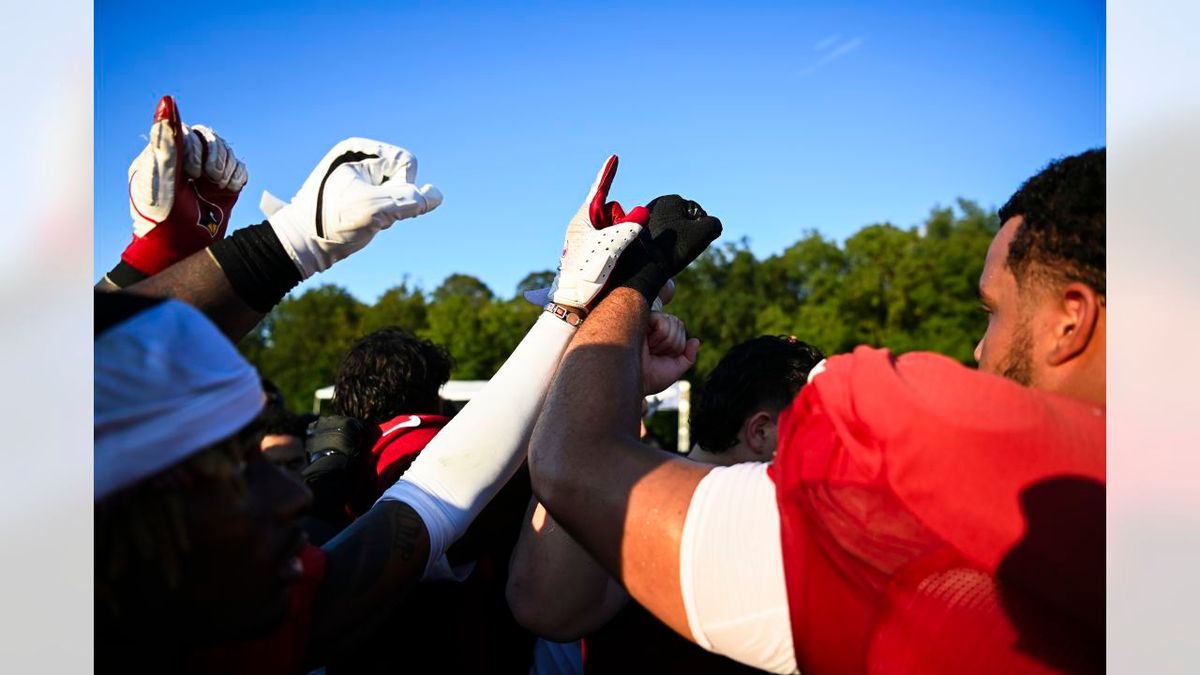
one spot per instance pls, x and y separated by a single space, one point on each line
167 384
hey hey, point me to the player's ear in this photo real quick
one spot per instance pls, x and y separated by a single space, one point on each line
1075 319
759 433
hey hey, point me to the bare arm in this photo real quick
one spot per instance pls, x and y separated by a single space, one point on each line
199 281
370 566
555 588
623 502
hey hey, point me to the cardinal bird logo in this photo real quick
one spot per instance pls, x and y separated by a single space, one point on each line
209 215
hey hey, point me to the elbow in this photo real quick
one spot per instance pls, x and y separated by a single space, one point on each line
536 613
550 467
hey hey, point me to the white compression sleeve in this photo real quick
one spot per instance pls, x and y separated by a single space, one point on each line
467 463
735 596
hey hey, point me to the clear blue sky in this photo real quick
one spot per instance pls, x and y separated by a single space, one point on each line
777 117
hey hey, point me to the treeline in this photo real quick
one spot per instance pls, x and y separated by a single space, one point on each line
907 289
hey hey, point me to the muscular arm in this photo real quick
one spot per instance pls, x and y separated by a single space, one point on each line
384 553
370 566
199 281
555 588
623 502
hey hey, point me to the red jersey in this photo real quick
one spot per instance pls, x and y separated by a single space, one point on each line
938 519
400 441
282 651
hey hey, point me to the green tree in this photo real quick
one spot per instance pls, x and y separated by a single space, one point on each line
304 340
398 306
465 320
906 289
535 280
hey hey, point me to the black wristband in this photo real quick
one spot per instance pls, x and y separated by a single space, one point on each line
124 275
257 266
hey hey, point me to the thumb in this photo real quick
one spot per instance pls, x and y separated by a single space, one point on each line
166 135
403 200
269 204
691 350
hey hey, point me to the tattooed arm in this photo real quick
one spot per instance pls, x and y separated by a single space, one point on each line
370 566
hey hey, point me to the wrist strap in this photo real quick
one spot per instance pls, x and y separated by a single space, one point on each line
573 316
257 266
124 275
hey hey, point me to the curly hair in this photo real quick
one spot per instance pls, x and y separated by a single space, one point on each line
388 373
762 372
1061 236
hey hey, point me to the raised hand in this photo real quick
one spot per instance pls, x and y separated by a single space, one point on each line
677 233
667 353
182 188
359 188
596 236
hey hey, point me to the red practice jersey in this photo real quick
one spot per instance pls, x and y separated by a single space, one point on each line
936 519
400 441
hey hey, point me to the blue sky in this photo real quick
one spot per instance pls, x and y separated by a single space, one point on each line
777 117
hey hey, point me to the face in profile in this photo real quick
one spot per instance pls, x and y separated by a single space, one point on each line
1006 348
242 521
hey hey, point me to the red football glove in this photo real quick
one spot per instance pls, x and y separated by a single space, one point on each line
182 188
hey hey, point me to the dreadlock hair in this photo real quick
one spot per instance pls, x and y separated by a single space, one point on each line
142 539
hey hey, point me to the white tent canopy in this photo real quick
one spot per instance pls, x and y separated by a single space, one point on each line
454 390
675 397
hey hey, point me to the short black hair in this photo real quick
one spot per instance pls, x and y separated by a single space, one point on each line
388 373
762 372
277 420
1061 236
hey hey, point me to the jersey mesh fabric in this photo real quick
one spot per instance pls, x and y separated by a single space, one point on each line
940 520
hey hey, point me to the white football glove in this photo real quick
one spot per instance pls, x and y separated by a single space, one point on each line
359 188
182 188
595 238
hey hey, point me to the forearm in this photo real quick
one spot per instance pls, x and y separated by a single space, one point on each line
235 281
199 281
555 588
595 400
369 567
467 463
624 502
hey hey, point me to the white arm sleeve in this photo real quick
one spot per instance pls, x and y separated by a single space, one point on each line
731 569
467 463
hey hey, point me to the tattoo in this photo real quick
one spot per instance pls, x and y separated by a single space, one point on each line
369 568
407 528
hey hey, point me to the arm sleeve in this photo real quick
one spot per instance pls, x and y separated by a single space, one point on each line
731 569
466 464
